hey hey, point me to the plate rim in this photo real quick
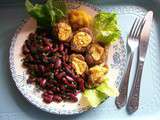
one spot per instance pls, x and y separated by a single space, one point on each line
11 62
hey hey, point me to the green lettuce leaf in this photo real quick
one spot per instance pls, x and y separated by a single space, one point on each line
57 4
106 28
108 89
46 14
56 9
103 91
38 12
94 97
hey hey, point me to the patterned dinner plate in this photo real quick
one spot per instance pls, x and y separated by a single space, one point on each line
116 61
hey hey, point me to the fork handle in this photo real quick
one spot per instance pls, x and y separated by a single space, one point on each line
122 98
133 101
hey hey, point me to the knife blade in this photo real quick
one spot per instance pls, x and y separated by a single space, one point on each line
145 35
133 101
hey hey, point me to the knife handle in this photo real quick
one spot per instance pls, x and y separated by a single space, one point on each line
122 98
133 101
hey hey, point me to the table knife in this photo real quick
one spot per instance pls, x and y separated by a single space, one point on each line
133 101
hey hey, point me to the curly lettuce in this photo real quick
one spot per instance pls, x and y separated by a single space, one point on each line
106 27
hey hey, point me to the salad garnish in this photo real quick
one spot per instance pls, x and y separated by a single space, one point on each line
106 28
47 14
103 91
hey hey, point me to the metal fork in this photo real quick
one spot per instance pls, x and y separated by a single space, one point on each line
133 43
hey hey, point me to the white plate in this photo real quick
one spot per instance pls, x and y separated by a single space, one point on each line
116 62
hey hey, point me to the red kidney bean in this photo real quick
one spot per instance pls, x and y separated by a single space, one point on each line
69 91
61 47
49 86
50 92
42 68
58 90
30 58
43 83
45 94
53 59
53 82
67 83
33 50
60 75
77 92
63 53
67 58
62 92
48 98
28 43
57 98
51 66
66 51
58 55
32 35
31 80
73 98
62 88
26 64
46 49
56 71
58 63
25 50
34 68
54 50
45 59
72 86
66 65
47 42
54 90
69 78
63 97
68 71
64 58
64 80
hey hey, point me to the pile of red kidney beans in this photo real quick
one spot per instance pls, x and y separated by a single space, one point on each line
49 68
